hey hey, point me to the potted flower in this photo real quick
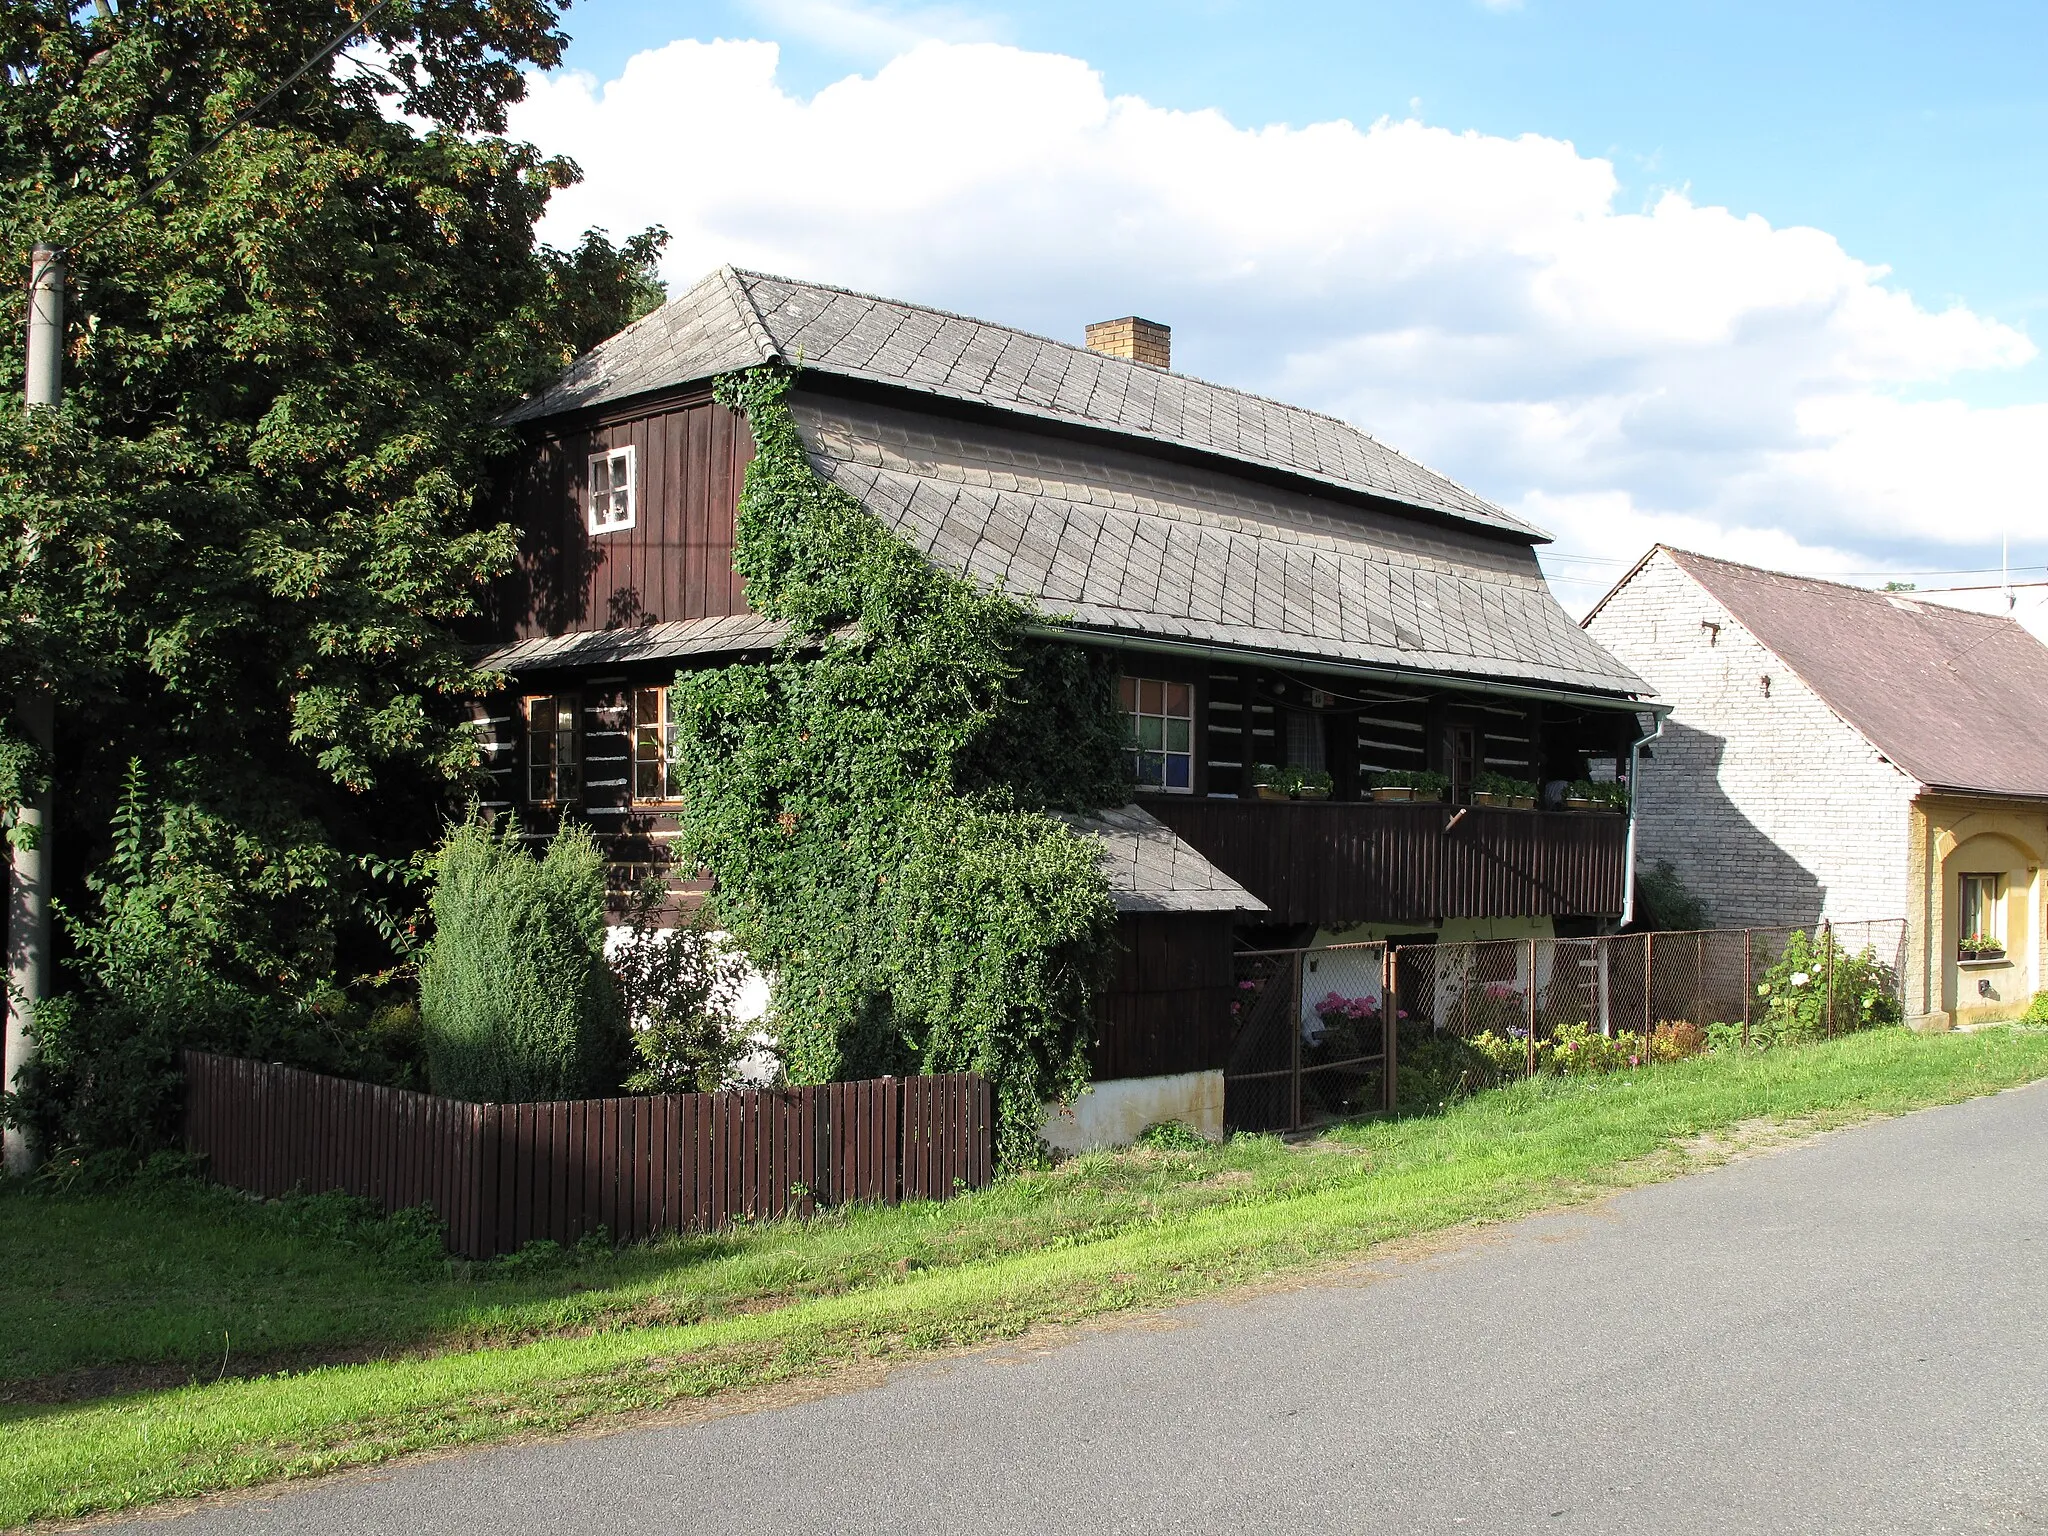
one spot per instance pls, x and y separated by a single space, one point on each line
1313 784
1981 946
1267 783
1409 784
1499 789
1585 795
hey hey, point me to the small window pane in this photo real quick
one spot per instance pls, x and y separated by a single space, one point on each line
1159 716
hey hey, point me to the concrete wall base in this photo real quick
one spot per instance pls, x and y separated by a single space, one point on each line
1930 1023
1116 1112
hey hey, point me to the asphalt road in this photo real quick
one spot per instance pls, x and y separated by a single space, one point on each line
1846 1336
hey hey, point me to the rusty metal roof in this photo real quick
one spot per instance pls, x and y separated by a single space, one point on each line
1958 700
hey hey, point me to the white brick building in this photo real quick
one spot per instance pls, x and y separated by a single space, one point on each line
1841 753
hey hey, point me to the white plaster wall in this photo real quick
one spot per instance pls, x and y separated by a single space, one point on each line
1772 809
1117 1112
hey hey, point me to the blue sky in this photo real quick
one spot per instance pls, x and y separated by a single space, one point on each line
1915 136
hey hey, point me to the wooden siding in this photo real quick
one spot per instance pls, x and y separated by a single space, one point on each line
1168 1007
1334 864
503 1175
674 563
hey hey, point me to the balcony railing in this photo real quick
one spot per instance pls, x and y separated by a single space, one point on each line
1336 863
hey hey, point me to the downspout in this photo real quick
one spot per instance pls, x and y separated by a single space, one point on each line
1635 758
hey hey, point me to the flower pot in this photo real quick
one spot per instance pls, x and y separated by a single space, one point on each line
1521 802
1311 794
1486 797
1269 792
1580 803
1392 792
1433 796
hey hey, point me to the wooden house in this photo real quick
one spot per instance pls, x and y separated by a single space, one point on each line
1277 586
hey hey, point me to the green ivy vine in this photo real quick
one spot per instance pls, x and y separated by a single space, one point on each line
872 801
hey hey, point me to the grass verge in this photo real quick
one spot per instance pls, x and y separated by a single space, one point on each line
683 1321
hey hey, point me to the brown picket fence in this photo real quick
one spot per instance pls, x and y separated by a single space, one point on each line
502 1175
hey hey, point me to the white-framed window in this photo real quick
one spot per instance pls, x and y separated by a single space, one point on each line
654 747
1982 924
554 771
613 500
1160 717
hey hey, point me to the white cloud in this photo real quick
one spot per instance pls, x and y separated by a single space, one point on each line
874 32
1483 303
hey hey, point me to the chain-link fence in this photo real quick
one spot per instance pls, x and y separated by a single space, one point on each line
1323 1034
1313 1037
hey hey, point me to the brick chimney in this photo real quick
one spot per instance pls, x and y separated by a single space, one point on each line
1142 341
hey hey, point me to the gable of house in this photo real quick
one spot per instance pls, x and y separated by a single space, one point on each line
1766 802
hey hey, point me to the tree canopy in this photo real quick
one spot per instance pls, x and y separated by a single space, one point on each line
245 547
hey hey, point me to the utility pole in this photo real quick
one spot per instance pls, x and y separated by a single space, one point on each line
28 891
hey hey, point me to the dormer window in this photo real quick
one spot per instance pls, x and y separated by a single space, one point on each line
611 490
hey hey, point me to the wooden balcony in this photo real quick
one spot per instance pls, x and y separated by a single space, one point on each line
1336 863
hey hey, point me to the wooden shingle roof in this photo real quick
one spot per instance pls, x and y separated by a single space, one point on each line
1130 544
1150 868
736 319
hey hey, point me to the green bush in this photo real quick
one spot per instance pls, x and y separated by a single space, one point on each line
516 1001
179 947
1664 903
679 987
2037 1010
1793 993
871 801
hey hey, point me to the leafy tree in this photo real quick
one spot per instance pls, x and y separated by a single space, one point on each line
256 526
515 998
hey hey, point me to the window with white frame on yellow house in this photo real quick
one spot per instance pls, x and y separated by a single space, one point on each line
1981 929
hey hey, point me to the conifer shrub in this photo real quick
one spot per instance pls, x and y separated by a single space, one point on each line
516 1001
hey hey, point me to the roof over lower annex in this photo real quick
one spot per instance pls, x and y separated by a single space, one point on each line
1958 700
1132 545
1151 869
735 319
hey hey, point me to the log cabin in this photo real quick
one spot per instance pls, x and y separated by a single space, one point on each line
1279 589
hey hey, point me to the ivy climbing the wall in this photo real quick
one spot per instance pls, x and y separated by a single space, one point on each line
873 800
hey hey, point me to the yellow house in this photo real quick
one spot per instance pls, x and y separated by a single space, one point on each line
1842 753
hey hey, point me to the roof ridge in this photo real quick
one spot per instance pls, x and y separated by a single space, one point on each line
1054 341
1921 599
750 312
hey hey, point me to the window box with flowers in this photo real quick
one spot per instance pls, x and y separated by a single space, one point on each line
1982 902
1497 789
1409 784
